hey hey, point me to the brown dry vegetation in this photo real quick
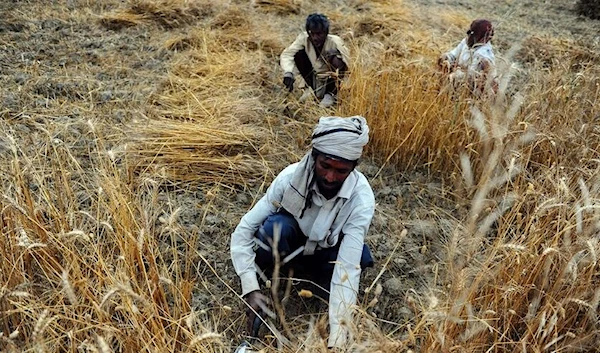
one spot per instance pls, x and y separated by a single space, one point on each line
135 134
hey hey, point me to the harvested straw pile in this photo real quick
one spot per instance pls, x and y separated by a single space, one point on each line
238 31
553 52
379 21
120 20
281 7
168 14
232 18
189 152
201 80
589 8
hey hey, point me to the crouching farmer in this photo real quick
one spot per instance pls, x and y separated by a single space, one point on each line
321 58
472 61
319 211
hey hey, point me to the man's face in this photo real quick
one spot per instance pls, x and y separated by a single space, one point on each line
331 173
317 37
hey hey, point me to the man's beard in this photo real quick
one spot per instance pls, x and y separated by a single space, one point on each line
325 186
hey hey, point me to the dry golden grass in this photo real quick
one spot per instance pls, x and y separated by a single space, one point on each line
81 266
278 6
174 151
166 13
521 270
99 253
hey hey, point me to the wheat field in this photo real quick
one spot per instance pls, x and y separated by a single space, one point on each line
134 135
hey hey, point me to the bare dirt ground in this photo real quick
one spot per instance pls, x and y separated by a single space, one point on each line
60 63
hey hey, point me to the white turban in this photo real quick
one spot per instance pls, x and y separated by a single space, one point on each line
341 137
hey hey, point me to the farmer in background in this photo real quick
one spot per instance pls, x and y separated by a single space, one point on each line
472 60
318 211
321 58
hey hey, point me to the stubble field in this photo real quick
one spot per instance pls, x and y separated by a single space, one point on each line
135 134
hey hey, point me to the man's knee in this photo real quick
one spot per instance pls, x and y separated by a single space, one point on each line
301 59
305 67
281 229
366 259
280 226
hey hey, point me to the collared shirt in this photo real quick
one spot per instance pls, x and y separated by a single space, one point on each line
352 220
318 62
469 59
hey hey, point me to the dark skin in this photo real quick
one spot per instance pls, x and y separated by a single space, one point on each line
474 38
317 38
330 175
256 300
335 63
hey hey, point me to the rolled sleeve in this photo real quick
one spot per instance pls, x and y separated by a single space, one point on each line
242 243
286 60
346 274
454 54
242 238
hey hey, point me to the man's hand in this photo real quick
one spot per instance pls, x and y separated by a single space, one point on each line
288 80
485 66
257 301
444 63
441 60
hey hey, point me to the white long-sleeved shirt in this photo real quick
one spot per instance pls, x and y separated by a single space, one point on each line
469 59
352 220
319 64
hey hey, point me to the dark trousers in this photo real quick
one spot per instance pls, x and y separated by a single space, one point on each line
317 267
308 73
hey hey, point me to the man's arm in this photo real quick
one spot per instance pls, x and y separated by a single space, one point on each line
484 75
242 246
243 255
334 57
448 60
242 243
346 273
242 239
286 60
340 55
457 50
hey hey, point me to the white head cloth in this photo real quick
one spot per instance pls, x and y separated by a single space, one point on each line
341 137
